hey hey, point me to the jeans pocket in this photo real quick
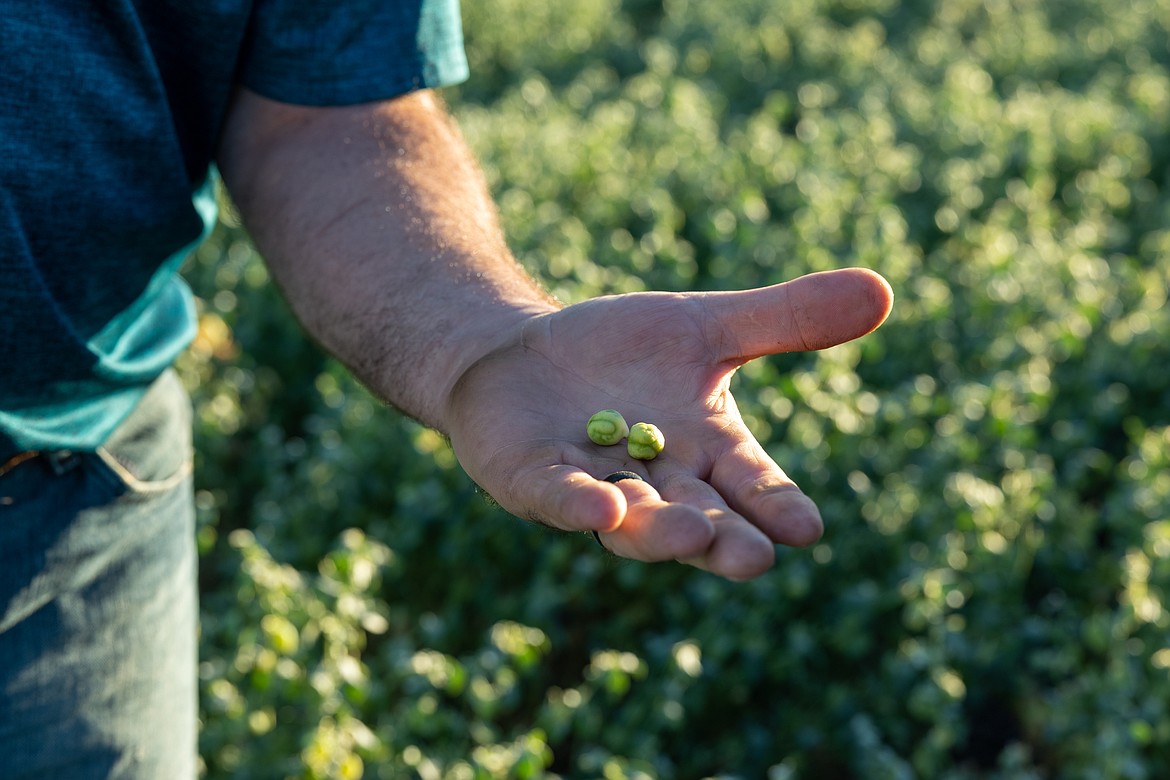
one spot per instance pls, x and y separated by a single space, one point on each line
150 452
124 475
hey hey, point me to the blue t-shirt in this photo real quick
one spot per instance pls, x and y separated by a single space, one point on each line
109 115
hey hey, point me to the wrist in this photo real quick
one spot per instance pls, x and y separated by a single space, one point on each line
473 341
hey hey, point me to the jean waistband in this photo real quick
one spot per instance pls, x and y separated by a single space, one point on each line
9 450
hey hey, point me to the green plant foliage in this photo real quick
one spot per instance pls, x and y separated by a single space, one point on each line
990 597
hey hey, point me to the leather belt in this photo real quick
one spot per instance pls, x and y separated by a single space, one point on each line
12 456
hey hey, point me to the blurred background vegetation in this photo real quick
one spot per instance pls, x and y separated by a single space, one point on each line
990 596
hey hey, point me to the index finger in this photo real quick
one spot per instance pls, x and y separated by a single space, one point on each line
756 487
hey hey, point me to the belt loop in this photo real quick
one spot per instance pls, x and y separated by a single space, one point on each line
62 460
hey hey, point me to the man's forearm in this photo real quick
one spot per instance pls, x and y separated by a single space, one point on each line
376 224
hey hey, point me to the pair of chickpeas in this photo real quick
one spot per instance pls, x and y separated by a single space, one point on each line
609 427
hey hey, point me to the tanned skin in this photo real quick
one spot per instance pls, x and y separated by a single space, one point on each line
377 225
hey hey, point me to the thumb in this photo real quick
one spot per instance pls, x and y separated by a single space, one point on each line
811 312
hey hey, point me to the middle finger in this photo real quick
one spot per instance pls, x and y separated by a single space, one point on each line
739 550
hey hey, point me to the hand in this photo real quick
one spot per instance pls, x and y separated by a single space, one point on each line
713 498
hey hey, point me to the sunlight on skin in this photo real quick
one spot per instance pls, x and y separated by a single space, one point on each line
714 498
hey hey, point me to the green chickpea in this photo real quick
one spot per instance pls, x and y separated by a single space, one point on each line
607 427
645 442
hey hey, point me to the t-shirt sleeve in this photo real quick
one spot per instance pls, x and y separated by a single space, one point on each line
311 52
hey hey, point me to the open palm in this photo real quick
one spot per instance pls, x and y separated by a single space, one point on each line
713 498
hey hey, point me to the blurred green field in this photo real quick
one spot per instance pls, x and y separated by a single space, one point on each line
990 596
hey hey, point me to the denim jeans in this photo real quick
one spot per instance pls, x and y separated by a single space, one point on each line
98 604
